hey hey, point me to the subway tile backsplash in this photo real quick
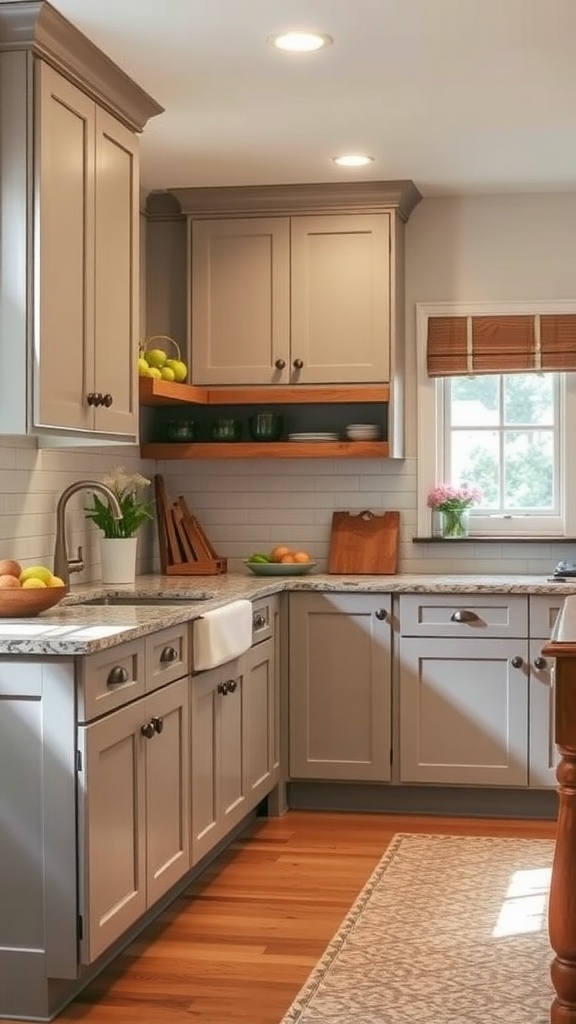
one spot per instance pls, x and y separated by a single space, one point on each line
243 506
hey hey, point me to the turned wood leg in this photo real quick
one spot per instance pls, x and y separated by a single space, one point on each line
562 907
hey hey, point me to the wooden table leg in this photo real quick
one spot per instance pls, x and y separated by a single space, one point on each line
562 906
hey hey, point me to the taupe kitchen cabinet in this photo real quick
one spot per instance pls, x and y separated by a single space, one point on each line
134 801
340 652
292 300
235 735
474 698
69 194
218 755
543 753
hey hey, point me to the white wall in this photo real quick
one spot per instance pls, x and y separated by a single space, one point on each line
498 247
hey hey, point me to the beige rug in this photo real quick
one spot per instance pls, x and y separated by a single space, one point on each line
448 930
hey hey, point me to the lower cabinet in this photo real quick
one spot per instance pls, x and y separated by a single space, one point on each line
340 653
475 693
218 772
134 812
235 750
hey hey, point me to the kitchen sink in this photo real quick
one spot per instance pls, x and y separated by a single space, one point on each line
158 599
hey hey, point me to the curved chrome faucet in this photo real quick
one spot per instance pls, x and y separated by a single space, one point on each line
63 565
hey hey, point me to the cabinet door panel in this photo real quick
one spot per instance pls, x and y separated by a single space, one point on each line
65 268
240 300
340 688
232 753
341 298
115 282
204 725
261 756
167 791
463 712
544 755
112 823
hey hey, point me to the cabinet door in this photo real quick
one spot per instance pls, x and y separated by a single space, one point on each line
341 298
116 275
261 758
340 687
463 711
167 789
544 755
64 255
112 801
240 302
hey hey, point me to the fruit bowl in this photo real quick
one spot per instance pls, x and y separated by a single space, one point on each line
280 568
21 602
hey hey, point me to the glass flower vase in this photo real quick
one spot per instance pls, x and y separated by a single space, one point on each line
455 523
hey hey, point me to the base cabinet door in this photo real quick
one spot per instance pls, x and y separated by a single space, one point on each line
134 812
218 775
340 687
464 711
262 761
544 756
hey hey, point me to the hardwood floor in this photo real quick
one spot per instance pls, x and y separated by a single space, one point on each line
238 944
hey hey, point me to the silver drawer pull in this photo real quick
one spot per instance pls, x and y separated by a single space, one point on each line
464 615
116 676
169 654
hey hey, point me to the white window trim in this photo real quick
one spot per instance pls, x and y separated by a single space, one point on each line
429 419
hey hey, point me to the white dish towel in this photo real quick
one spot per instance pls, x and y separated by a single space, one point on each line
222 634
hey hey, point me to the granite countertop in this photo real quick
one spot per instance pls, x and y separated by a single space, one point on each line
75 629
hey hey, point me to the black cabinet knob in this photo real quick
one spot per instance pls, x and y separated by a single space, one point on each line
148 730
298 364
107 400
540 662
381 614
517 662
280 364
157 723
222 688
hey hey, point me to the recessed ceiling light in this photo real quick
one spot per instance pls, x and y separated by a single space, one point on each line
353 160
300 42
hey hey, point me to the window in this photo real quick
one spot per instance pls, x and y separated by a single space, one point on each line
511 434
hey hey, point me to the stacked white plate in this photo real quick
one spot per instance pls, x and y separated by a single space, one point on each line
363 432
314 436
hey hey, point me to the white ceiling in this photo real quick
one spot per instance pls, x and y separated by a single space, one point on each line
461 96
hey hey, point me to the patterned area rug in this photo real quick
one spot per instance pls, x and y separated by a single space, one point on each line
448 930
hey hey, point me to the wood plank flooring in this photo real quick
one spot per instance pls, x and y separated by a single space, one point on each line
238 944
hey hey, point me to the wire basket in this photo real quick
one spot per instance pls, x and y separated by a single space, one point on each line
153 342
167 345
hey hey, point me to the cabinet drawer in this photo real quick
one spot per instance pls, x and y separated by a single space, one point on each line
110 678
469 615
263 619
167 655
543 614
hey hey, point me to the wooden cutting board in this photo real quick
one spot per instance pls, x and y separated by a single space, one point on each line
364 542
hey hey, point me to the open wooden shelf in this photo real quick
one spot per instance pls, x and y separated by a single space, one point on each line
161 392
267 450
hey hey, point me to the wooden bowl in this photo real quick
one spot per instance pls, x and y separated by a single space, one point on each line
22 602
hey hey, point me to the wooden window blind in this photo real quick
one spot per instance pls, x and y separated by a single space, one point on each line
473 345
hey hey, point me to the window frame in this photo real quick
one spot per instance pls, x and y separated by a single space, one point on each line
430 412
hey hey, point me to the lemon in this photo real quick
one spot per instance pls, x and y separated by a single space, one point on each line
143 368
36 572
167 373
180 369
55 581
154 372
33 583
156 357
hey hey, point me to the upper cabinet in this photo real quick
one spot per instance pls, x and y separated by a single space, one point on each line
69 194
291 300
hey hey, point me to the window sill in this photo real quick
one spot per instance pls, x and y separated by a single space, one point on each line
500 539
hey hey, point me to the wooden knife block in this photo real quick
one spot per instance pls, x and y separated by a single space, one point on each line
184 547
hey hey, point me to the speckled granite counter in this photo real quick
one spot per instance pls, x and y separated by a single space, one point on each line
75 629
